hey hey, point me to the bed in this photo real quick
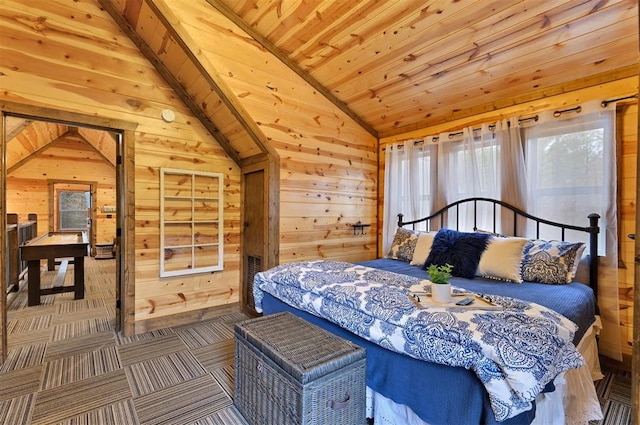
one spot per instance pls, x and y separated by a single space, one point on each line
531 360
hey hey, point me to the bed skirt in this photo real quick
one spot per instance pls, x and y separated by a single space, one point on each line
574 398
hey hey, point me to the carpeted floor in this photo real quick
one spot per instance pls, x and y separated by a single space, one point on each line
66 365
614 392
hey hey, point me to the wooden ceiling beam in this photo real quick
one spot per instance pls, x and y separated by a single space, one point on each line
36 152
274 50
104 142
96 150
18 129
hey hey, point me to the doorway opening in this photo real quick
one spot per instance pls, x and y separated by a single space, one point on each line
66 172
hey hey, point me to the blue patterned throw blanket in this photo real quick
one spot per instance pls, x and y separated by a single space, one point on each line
515 352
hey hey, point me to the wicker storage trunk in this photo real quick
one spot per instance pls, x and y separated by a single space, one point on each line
288 371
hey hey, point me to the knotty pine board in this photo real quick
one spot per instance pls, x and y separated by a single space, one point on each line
628 204
105 74
496 63
321 149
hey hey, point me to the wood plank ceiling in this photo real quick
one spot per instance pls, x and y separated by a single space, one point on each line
152 26
406 64
26 139
395 66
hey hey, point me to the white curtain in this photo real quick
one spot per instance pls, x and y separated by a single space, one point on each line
561 168
467 164
571 163
512 165
408 186
513 173
481 162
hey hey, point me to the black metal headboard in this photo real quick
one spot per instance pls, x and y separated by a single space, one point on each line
592 228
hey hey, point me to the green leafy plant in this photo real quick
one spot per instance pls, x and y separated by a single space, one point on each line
440 274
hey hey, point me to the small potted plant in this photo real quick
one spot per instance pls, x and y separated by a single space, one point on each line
440 288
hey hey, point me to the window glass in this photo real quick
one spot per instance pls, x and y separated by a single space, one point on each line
567 166
73 208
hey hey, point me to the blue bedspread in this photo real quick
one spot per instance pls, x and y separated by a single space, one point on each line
574 300
438 394
499 352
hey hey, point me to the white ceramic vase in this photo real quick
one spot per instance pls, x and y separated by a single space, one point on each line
441 292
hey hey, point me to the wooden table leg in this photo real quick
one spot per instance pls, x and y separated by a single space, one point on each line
33 289
78 277
51 264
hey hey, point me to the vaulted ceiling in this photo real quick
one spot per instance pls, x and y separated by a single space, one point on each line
405 64
26 139
392 66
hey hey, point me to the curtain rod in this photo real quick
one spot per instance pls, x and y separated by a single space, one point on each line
459 133
491 127
556 114
606 103
577 110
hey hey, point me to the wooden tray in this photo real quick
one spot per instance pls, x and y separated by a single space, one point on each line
479 303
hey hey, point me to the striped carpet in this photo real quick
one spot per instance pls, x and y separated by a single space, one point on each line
66 365
614 393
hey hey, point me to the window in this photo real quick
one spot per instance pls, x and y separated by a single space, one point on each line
473 169
416 193
561 168
191 222
468 166
73 210
407 187
571 171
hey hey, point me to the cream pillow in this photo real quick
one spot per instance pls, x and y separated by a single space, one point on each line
423 248
502 259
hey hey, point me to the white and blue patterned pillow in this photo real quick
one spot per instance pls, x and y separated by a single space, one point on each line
550 261
403 245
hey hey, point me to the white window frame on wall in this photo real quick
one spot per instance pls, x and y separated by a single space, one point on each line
190 195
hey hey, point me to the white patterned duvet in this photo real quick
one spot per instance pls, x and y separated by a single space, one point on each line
515 352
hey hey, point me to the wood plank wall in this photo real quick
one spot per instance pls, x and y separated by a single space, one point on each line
328 174
628 133
71 56
28 185
328 163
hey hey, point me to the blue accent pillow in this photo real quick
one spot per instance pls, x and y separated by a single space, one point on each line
460 249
